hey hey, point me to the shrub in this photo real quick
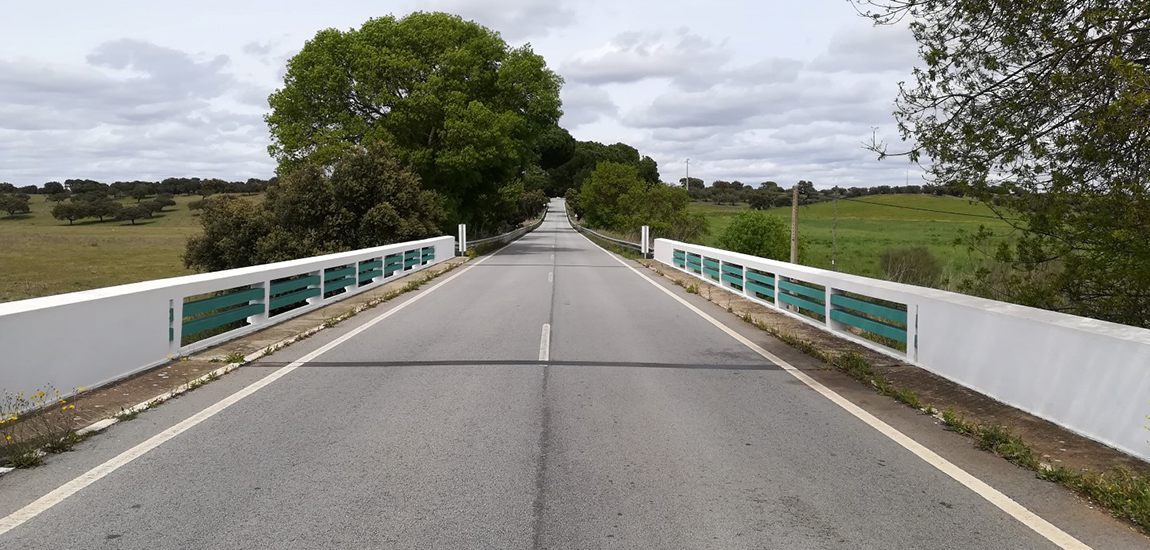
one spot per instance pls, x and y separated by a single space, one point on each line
759 234
914 266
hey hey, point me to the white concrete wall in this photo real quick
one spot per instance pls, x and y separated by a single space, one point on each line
90 338
1089 376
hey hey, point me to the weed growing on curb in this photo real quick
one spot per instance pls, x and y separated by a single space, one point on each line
31 422
125 415
234 357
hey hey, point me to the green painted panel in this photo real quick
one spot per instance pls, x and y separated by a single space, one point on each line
171 315
764 279
410 262
229 316
338 273
171 334
888 313
764 290
294 284
714 273
219 302
294 297
732 279
394 259
679 255
732 270
368 266
338 284
391 269
804 304
680 263
804 290
711 263
409 254
369 275
869 325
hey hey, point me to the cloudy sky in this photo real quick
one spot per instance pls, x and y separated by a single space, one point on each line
751 90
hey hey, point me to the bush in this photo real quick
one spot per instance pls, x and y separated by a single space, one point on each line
196 205
759 234
913 266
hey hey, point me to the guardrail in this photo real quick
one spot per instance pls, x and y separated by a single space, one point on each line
97 336
506 237
637 247
1089 376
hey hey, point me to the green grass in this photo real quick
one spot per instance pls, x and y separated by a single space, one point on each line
866 230
41 256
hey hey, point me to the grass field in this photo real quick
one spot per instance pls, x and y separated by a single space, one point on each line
40 255
866 230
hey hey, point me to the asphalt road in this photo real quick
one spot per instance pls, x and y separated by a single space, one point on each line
438 427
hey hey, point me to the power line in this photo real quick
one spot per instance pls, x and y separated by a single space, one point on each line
929 209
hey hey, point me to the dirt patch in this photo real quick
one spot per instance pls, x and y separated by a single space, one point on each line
1051 443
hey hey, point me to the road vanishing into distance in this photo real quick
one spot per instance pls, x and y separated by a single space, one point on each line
545 397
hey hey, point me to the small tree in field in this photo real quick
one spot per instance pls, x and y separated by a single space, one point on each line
104 208
14 204
913 266
71 211
133 213
759 234
140 192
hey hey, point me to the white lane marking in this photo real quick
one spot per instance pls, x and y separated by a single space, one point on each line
53 498
545 344
551 276
1019 512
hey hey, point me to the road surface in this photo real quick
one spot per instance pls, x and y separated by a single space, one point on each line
644 426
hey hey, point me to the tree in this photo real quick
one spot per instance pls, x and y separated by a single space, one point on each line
52 187
59 197
1046 100
459 106
759 234
602 192
29 190
140 192
912 266
761 199
531 204
71 211
133 213
14 204
572 200
162 201
104 208
6 187
664 209
693 184
365 199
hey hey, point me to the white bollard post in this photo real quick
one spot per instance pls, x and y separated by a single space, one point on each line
462 239
643 240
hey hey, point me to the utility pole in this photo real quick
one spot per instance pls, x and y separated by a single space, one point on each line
687 182
795 226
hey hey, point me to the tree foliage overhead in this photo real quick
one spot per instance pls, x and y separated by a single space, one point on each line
586 158
458 106
617 197
365 199
1048 99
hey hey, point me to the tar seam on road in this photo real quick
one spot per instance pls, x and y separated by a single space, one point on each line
539 507
58 495
1047 530
518 363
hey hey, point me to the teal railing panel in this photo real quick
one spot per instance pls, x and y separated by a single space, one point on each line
765 290
338 273
762 279
803 290
293 298
369 266
869 308
869 325
802 303
369 275
732 279
219 302
338 284
711 263
294 284
733 270
222 318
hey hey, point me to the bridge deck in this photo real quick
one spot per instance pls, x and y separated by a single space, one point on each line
439 427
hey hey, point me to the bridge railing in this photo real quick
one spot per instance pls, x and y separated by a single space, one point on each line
463 244
637 247
93 337
1090 376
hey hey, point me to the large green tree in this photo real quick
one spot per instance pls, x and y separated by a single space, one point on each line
458 105
586 158
366 198
1040 107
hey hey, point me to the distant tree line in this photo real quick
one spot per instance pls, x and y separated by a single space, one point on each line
769 194
58 192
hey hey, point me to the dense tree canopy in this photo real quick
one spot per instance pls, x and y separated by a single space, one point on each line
364 199
617 197
1044 103
586 158
458 106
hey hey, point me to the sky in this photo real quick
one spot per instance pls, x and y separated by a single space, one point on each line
748 90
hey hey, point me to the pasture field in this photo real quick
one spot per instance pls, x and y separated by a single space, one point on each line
866 230
41 256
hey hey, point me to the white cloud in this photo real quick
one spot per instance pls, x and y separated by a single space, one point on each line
514 19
